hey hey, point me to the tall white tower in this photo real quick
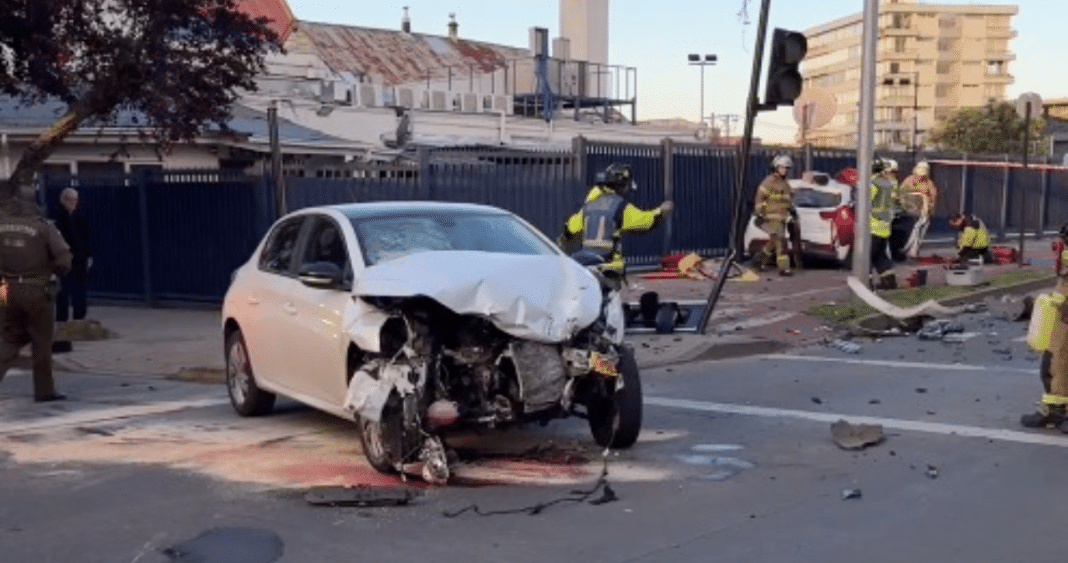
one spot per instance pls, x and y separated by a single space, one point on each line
585 24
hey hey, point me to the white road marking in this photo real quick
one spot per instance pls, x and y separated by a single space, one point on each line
107 414
896 364
909 425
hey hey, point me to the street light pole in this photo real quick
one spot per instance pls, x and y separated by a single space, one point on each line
696 60
915 111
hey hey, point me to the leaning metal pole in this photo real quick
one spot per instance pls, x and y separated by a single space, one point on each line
735 240
865 145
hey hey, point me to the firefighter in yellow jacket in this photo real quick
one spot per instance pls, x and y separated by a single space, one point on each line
772 208
973 238
607 216
1054 367
882 214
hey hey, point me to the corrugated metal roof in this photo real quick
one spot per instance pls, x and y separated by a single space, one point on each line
15 115
277 11
393 57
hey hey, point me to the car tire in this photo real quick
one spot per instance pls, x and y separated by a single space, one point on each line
666 316
245 395
373 442
384 442
616 421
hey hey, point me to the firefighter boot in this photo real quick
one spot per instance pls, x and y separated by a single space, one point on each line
1046 415
887 281
759 260
783 262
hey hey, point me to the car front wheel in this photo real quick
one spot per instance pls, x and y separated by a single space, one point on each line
245 395
616 420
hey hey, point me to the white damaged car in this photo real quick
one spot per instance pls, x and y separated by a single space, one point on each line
416 318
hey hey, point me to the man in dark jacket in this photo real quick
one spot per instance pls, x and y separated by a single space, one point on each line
72 290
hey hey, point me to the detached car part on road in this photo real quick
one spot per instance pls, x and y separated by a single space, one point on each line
417 318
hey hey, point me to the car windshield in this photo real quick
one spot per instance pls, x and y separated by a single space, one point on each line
389 237
810 198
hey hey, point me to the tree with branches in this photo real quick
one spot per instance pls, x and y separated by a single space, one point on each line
176 65
995 128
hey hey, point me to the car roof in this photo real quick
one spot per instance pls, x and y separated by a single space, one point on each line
383 208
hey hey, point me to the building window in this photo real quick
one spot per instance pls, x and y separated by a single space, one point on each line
944 67
945 45
895 68
995 68
943 90
899 44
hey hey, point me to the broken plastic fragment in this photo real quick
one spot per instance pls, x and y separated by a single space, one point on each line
850 494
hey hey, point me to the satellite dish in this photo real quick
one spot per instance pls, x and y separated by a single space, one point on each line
820 105
1036 105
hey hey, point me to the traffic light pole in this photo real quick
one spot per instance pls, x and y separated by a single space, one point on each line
735 239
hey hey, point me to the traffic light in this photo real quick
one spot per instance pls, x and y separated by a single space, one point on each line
788 48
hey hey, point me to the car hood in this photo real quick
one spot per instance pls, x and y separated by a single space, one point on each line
540 298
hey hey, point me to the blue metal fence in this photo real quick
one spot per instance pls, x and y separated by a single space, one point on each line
176 236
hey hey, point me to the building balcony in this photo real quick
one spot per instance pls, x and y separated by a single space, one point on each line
999 78
897 32
1000 55
892 55
1001 33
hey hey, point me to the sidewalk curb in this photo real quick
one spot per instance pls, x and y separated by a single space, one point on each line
877 324
720 351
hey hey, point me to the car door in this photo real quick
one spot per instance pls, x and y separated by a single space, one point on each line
274 278
315 325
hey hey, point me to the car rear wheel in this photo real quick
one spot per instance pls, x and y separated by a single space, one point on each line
616 420
245 395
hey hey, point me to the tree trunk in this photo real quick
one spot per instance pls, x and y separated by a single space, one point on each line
40 149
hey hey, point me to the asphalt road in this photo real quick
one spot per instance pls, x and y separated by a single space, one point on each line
736 463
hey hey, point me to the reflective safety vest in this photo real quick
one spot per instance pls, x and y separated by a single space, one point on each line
882 191
601 219
974 234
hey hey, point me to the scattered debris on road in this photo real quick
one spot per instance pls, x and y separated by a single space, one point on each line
1012 307
846 346
938 329
361 496
932 471
851 494
856 436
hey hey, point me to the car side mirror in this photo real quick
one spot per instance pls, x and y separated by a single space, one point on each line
320 275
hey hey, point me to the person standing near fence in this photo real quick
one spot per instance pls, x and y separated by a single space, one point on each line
773 207
919 196
32 252
607 215
882 213
73 286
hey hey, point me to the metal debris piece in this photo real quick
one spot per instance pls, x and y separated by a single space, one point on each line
360 496
817 400
845 346
938 329
856 436
932 471
851 494
1012 307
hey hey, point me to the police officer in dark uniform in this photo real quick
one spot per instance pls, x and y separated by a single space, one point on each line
32 253
607 216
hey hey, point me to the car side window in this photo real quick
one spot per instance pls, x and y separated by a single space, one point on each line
277 254
326 244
